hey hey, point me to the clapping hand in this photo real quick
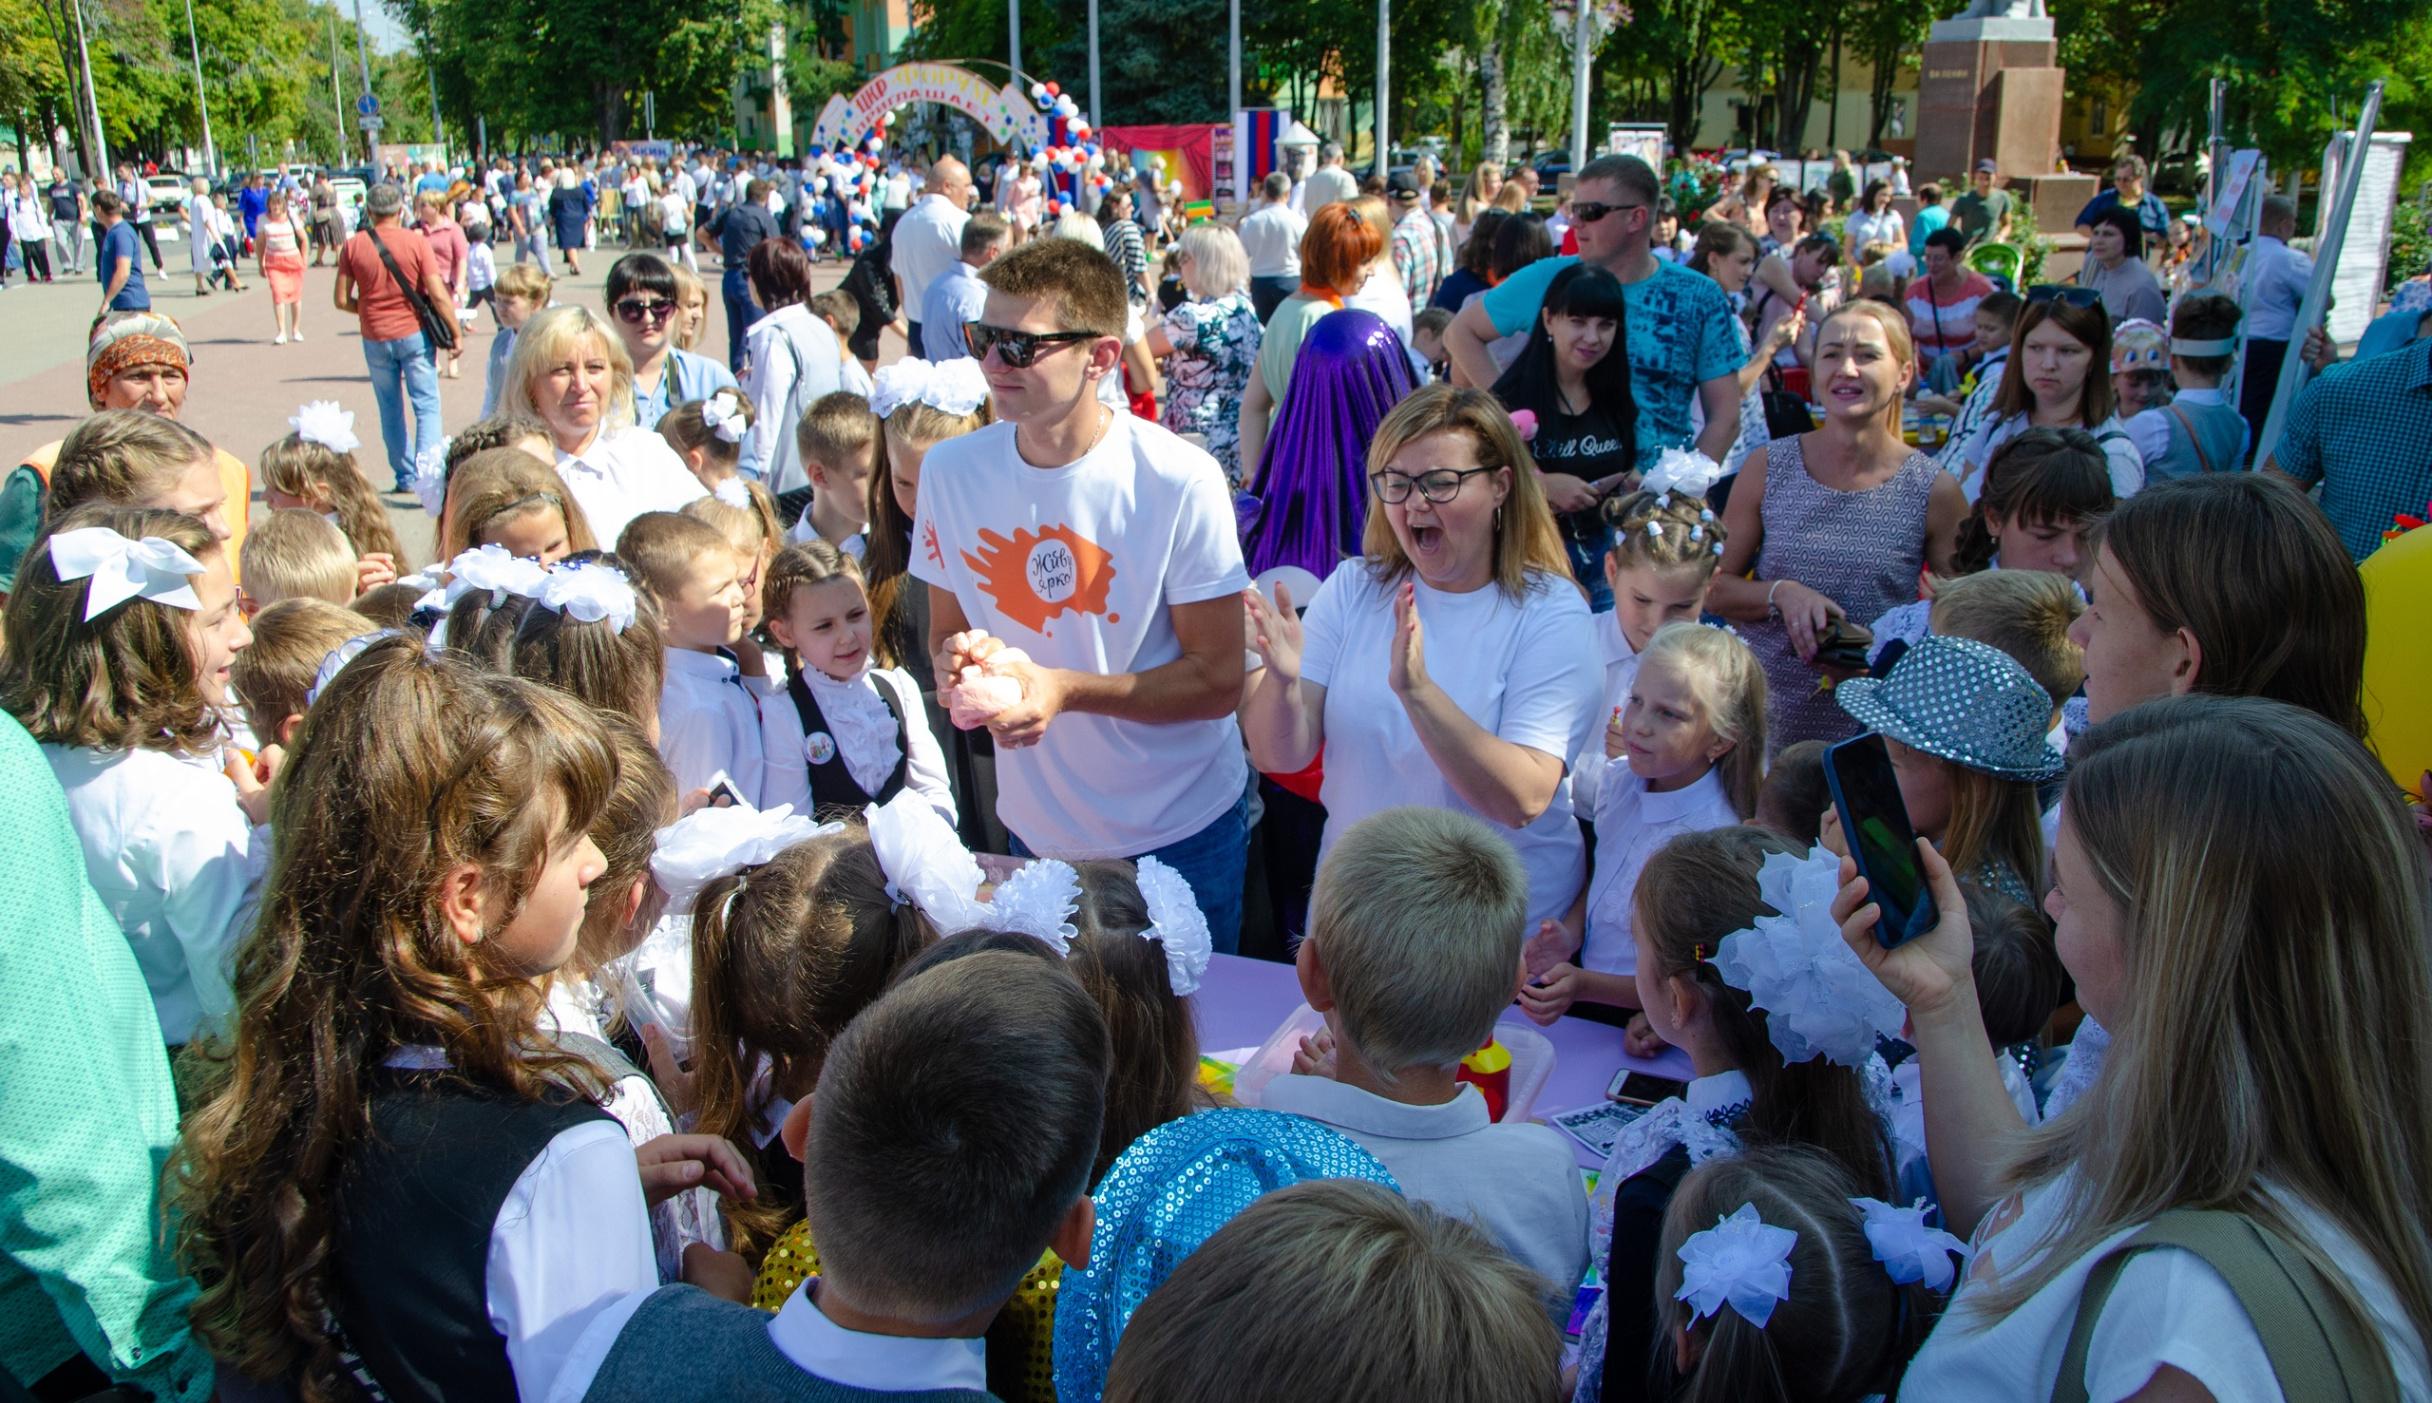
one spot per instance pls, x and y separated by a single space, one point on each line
1275 630
1407 672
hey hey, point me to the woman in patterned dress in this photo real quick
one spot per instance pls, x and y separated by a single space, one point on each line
1210 344
1836 523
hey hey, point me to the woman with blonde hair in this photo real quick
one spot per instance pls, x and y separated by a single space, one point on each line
570 371
1835 523
1477 196
1455 666
2259 1115
1745 206
1210 343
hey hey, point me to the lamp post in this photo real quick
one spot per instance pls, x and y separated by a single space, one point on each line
202 104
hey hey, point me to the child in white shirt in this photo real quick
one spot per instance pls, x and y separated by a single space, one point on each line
1412 954
847 733
1692 736
120 636
709 710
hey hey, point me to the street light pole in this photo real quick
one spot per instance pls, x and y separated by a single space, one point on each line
1384 63
1094 84
1014 26
363 58
92 96
1583 29
202 104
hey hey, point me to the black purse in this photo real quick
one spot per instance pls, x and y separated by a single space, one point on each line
438 329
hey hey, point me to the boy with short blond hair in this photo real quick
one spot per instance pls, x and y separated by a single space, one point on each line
709 710
1413 952
297 554
838 438
272 677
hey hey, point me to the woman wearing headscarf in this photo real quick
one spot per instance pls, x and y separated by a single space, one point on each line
135 360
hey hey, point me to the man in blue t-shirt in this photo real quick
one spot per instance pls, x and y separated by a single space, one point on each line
120 264
1681 343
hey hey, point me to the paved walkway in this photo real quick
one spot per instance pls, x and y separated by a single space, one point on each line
244 388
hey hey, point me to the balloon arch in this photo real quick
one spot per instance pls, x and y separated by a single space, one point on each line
1041 123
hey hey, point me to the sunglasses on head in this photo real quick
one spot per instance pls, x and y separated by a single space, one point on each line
1589 211
1016 349
636 310
2057 292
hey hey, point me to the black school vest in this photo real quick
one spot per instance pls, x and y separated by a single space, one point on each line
416 1204
832 785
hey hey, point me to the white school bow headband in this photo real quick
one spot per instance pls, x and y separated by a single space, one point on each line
1819 1000
1681 470
1176 922
928 865
590 593
733 493
327 423
123 568
1910 1251
492 568
723 413
1742 1262
712 842
955 386
338 658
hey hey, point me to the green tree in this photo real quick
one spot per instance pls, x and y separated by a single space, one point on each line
1890 36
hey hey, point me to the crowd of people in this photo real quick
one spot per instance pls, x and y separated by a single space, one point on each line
733 922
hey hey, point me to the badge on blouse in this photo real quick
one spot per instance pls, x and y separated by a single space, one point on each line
820 746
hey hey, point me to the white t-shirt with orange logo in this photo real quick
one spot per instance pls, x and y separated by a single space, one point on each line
1078 566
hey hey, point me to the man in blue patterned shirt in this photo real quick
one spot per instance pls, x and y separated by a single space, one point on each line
2363 432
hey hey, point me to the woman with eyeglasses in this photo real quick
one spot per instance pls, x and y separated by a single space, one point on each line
790 359
2059 377
1455 665
644 303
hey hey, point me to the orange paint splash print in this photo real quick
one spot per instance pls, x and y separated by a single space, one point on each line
929 543
1038 575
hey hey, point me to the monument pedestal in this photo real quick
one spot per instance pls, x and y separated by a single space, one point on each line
1991 87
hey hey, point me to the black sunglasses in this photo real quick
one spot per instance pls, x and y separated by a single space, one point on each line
1589 211
2059 292
636 310
1016 348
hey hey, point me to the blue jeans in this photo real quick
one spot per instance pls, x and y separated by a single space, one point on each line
404 369
1215 861
741 312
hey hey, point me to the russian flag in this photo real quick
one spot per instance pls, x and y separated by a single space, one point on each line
1262 128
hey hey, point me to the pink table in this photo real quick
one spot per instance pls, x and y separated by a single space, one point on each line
1241 1001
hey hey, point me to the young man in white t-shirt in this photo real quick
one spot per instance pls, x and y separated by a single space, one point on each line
1103 548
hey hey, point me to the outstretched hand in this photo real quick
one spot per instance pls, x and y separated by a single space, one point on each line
1275 630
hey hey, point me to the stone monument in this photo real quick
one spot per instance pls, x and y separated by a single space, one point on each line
1992 89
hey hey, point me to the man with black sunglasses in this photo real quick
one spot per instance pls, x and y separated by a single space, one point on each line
1091 557
1680 340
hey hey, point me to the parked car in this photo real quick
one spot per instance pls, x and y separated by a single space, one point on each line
1551 166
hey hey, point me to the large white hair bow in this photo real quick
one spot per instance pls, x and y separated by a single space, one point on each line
590 593
123 568
1742 1262
723 413
710 843
431 478
1819 1000
733 493
1909 1250
1176 922
338 658
955 386
1681 470
327 423
927 865
492 568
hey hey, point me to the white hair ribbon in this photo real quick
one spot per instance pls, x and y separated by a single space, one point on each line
734 494
492 568
338 658
590 593
327 423
955 386
122 568
1742 1261
1910 1251
1819 1000
723 413
713 842
431 478
927 863
1681 470
1176 922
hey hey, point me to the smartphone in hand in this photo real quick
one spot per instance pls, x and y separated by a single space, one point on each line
1881 841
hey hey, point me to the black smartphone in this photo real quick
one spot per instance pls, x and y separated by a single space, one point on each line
1642 1088
1881 841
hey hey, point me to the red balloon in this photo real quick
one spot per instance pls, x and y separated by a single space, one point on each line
1054 91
